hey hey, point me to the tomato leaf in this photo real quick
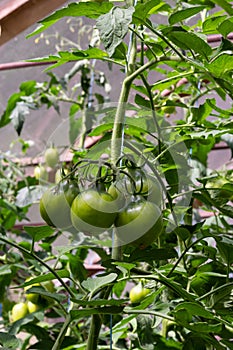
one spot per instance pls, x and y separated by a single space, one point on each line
188 41
28 195
143 11
9 341
90 10
221 64
93 284
225 27
109 310
195 309
184 14
113 27
38 233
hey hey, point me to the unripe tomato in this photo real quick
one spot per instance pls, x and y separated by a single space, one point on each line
117 191
55 205
40 173
93 211
51 157
138 293
139 224
32 307
32 297
19 311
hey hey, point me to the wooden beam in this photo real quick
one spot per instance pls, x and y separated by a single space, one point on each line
18 15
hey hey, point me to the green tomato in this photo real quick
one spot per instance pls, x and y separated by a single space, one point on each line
40 173
32 307
138 293
55 205
19 310
93 211
32 297
139 224
117 191
51 157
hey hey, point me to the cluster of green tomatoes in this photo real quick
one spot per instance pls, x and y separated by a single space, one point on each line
33 301
130 203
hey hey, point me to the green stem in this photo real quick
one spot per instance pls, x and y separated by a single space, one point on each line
62 334
34 256
147 312
93 337
148 88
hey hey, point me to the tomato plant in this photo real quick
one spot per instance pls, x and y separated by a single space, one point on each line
139 180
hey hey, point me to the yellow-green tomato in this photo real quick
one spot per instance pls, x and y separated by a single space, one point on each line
139 224
51 157
32 307
93 212
32 297
19 310
40 173
138 293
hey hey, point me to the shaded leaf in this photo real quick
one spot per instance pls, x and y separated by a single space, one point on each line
9 341
195 309
188 41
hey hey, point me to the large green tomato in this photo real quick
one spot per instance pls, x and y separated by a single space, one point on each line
51 157
93 211
139 224
138 293
19 311
55 205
